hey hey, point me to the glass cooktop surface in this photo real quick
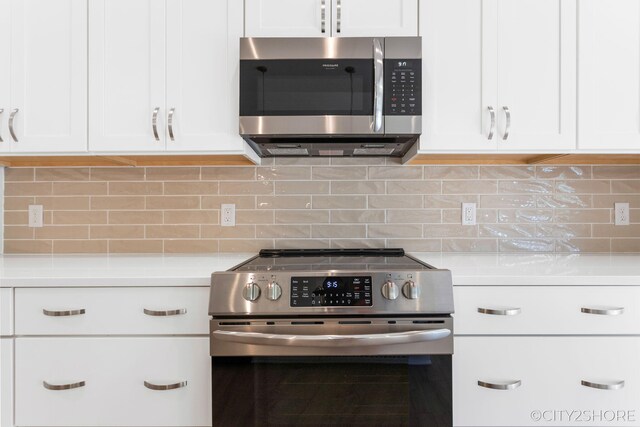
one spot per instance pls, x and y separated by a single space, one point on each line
332 259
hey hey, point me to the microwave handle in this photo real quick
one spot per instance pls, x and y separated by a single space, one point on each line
378 89
258 338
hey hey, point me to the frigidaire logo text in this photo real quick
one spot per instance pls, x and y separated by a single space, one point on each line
330 65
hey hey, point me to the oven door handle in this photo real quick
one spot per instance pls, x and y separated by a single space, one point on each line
363 340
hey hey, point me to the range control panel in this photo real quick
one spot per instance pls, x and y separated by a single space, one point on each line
403 87
335 291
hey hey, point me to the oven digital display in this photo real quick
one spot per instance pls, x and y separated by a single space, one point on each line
331 291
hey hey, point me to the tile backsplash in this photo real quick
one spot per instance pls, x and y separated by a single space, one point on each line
322 203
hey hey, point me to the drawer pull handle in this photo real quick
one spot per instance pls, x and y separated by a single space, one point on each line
58 387
500 311
56 313
504 386
613 311
165 312
164 387
613 386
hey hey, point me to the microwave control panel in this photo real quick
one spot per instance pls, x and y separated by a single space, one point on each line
403 87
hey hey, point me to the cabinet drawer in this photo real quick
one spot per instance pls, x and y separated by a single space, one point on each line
547 310
6 311
114 371
86 311
550 370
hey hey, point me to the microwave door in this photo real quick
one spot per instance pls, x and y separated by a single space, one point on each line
313 96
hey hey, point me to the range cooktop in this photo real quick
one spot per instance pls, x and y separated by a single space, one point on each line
301 282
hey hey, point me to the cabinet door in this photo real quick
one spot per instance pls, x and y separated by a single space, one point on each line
114 372
6 382
546 375
609 70
458 50
287 18
536 74
48 75
5 73
202 75
374 18
127 78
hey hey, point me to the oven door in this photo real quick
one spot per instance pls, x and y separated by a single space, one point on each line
314 86
342 372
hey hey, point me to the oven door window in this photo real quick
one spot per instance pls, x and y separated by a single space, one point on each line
306 87
332 391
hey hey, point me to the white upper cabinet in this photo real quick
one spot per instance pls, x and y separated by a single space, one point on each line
287 18
609 70
455 98
372 18
5 73
203 54
498 75
127 75
43 87
163 75
536 77
318 18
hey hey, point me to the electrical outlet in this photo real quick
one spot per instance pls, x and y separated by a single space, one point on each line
622 213
35 216
468 214
228 215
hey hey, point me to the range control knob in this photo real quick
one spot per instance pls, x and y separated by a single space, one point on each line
273 291
390 290
251 291
411 290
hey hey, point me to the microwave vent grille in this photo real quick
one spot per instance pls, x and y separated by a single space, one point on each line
331 152
374 151
297 151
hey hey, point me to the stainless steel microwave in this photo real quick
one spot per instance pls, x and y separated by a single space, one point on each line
347 96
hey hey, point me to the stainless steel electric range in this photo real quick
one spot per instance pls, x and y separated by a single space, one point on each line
358 337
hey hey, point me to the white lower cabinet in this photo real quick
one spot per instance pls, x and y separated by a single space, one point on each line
101 311
546 381
6 382
6 311
111 380
547 310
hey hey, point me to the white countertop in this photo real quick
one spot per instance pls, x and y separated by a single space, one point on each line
195 270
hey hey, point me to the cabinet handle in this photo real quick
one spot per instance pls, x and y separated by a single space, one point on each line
54 313
170 123
154 123
507 114
1 111
164 387
59 387
505 386
492 113
613 386
323 16
500 311
165 312
613 311
11 118
339 16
